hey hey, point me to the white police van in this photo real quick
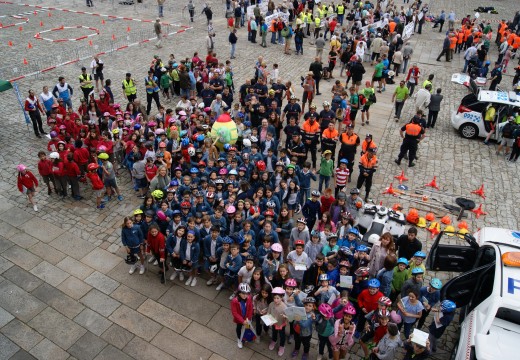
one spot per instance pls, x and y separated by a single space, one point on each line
468 118
487 292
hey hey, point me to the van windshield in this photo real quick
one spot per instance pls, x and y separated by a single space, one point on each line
510 315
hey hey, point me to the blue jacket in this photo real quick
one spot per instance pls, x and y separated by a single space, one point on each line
261 253
233 265
305 179
385 277
220 222
311 209
132 237
195 251
260 237
207 246
171 243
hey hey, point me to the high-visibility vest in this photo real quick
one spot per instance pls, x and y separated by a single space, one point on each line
129 86
413 129
349 140
341 10
317 22
86 77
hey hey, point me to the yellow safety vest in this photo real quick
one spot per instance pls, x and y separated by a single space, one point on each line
341 9
86 78
317 22
323 13
130 88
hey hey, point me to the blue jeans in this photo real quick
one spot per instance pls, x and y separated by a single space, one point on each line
280 37
325 179
233 47
273 38
299 48
161 8
466 62
340 19
304 195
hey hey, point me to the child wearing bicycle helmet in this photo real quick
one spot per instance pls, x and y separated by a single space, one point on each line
325 291
417 261
27 183
399 276
343 337
325 328
291 299
429 296
303 334
440 323
368 301
242 310
315 246
277 310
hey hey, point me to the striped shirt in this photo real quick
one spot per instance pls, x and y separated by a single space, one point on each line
341 176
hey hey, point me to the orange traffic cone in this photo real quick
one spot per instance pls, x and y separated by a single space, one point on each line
35 13
25 62
480 191
390 190
29 46
49 14
10 43
41 23
113 37
433 183
434 229
128 29
20 29
90 42
401 177
103 21
478 211
462 225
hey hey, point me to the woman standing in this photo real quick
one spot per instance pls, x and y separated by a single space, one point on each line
379 252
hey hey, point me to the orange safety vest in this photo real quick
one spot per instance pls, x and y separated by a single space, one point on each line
368 163
349 140
453 42
413 129
502 27
476 37
511 39
516 43
391 26
366 145
467 32
311 129
460 37
327 134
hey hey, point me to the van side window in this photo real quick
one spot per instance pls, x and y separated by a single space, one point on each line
486 255
484 287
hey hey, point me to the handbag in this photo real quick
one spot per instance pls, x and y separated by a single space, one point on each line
248 334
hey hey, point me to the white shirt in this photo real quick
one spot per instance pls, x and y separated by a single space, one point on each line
246 275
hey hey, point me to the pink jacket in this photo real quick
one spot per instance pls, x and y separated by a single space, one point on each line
338 333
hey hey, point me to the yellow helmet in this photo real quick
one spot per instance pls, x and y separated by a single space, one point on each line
449 230
422 222
138 212
115 131
462 232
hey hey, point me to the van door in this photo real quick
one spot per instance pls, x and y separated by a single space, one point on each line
446 257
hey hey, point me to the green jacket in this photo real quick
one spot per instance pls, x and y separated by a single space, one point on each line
398 279
326 167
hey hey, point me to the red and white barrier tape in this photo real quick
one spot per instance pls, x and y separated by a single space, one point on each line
26 20
39 37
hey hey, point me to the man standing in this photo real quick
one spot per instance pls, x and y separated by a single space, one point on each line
210 45
85 83
309 89
292 110
349 143
316 67
422 98
445 49
399 97
129 88
451 20
254 28
158 32
64 91
440 20
407 55
47 99
311 132
233 41
191 9
411 134
367 168
413 78
320 45
434 108
152 91
97 69
34 108
496 76
160 7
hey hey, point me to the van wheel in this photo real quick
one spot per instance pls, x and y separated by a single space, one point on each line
468 131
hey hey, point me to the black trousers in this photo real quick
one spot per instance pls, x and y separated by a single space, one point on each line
86 92
444 52
410 147
367 180
36 120
299 340
131 98
149 97
253 36
432 118
313 149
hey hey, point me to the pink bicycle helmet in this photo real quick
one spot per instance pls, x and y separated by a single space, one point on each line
222 171
21 167
383 300
207 109
278 291
276 247
349 309
291 283
102 148
395 317
325 310
161 215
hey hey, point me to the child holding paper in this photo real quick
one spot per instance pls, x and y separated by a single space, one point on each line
410 309
343 337
441 319
304 327
325 292
276 309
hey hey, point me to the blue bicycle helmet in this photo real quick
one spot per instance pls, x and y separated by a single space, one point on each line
448 306
174 183
354 231
436 283
420 254
362 248
343 161
417 271
194 170
226 147
185 142
374 283
183 133
315 233
137 126
200 138
324 277
227 240
176 212
402 261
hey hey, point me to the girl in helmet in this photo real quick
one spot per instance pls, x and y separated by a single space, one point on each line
291 299
277 310
97 185
429 296
325 291
242 310
325 328
27 183
399 277
304 335
440 323
343 337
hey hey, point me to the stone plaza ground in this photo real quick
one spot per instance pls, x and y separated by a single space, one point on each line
65 291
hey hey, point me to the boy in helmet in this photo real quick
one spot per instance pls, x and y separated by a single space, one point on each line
399 277
298 261
414 283
429 296
354 203
325 291
312 209
97 185
368 301
440 323
417 262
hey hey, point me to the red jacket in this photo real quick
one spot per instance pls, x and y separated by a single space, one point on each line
157 244
236 309
367 301
81 156
97 184
45 167
28 180
52 145
71 169
57 168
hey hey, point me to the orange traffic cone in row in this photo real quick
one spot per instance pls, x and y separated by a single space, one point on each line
390 190
434 229
29 46
478 211
433 183
25 62
401 177
480 191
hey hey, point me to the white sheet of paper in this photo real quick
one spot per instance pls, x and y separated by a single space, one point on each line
438 323
268 319
420 15
295 313
302 295
477 15
332 299
300 267
345 281
419 337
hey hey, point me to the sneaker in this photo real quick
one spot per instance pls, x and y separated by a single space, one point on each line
155 263
173 276
188 282
298 209
151 259
141 269
305 356
411 165
181 276
272 344
232 296
102 206
120 197
294 354
106 199
281 350
239 344
35 208
194 282
397 161
219 287
210 281
132 269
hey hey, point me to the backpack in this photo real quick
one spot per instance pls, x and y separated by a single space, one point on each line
362 100
336 103
507 131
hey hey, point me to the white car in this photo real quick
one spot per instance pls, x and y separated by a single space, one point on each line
487 291
468 118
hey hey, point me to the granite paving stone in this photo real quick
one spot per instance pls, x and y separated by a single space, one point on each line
128 296
111 353
117 336
72 245
87 347
146 284
135 323
74 287
75 268
4 242
49 273
7 347
101 260
21 257
93 321
102 282
21 334
22 355
5 317
141 349
58 300
24 279
57 328
42 230
100 302
47 253
4 264
19 302
164 316
46 349
182 347
16 217
23 240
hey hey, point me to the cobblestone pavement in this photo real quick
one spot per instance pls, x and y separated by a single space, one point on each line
64 290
